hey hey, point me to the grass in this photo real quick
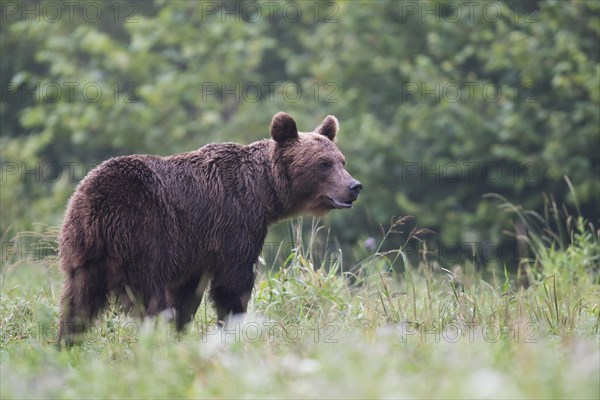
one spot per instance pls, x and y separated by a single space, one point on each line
317 331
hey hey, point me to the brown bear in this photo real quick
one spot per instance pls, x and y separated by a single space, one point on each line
154 230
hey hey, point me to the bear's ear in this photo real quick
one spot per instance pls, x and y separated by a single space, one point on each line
283 127
329 127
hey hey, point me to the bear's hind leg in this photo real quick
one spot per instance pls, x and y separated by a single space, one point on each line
84 295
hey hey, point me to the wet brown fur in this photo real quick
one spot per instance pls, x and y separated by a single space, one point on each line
155 230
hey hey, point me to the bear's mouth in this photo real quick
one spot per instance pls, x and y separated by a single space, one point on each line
339 204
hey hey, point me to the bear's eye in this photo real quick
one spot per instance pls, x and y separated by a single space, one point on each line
325 165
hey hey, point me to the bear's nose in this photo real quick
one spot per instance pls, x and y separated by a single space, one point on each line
355 186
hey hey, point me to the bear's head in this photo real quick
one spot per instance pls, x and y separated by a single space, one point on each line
313 166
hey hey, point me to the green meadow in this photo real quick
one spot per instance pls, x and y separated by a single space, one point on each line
387 328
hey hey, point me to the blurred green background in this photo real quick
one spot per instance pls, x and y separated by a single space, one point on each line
439 102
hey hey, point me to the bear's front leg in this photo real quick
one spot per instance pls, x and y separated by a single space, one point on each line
231 292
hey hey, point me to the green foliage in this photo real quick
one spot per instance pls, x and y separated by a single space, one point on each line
559 244
584 251
436 108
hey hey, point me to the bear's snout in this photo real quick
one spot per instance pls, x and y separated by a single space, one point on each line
355 188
